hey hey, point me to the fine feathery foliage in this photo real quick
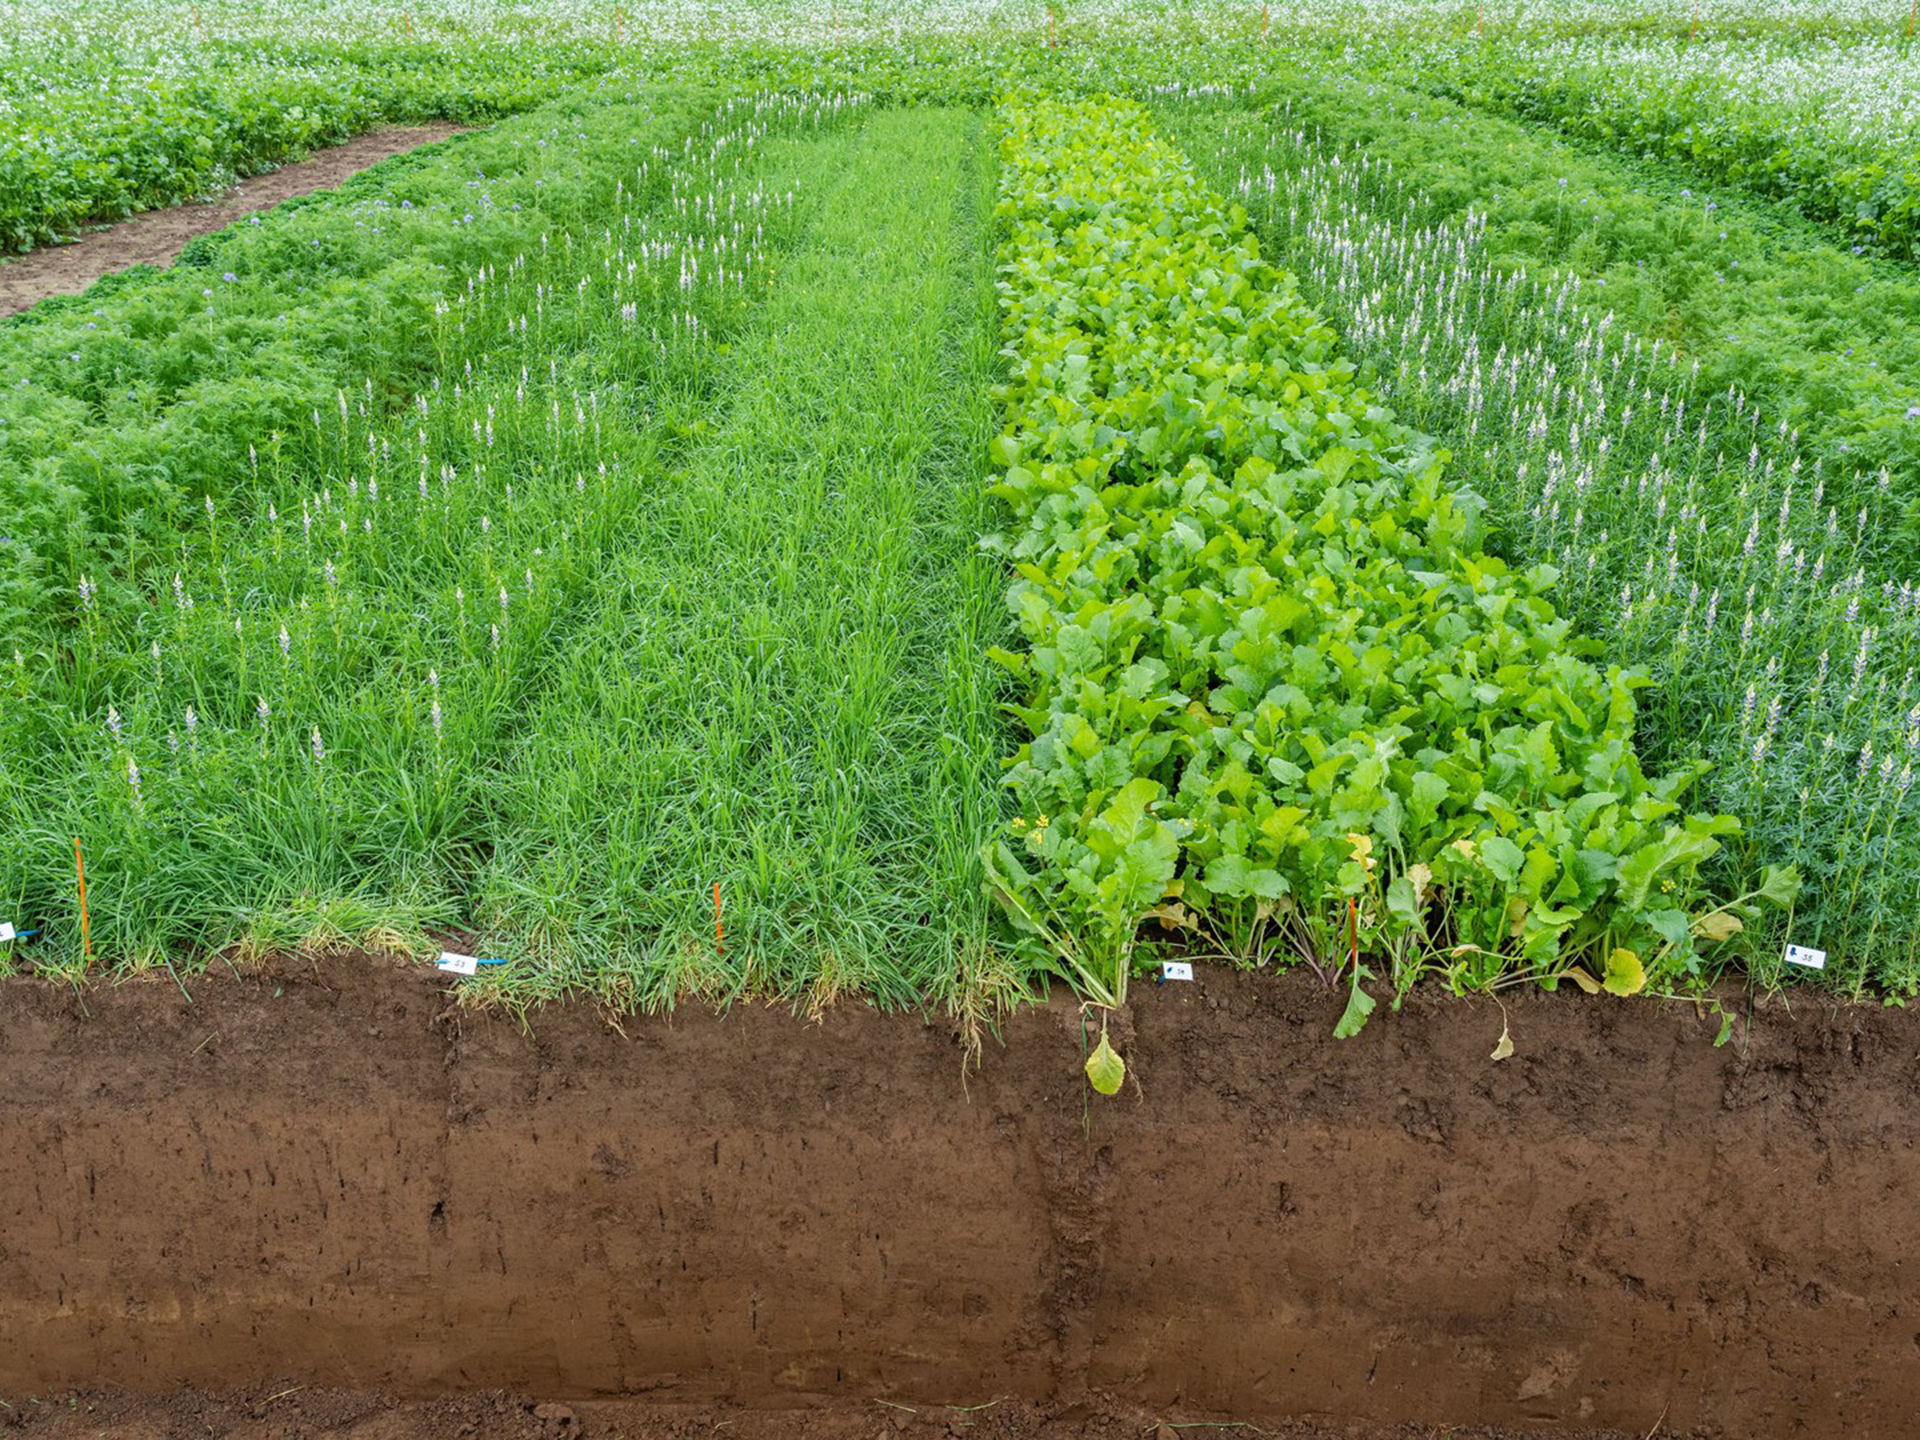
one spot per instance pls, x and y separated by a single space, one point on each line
639 600
122 412
1277 695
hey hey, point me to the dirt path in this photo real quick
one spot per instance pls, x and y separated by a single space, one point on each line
335 1176
158 236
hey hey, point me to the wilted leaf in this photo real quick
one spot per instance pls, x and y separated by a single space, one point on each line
1721 925
1625 974
1106 1071
1503 1047
1516 916
1173 915
1581 978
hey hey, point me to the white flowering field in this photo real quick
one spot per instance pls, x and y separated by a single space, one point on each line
910 499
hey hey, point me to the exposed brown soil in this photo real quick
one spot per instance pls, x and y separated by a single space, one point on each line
333 1176
284 1413
157 237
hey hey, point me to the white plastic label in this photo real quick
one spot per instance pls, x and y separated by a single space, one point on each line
1803 955
457 964
7 932
1176 970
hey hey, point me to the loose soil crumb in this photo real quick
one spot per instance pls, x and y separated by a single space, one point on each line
158 236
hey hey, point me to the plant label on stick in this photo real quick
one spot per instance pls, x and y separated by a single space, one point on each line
1807 956
456 964
7 932
1176 970
86 930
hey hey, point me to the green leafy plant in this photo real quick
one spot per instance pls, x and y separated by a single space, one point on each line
1270 676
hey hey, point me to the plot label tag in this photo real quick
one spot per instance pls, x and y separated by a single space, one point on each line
1176 970
1807 956
457 964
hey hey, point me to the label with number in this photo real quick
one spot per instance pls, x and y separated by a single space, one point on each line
1176 970
1807 956
7 932
457 964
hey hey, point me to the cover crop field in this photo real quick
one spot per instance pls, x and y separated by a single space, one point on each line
915 501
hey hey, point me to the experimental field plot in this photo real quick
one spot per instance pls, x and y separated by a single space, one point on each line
814 500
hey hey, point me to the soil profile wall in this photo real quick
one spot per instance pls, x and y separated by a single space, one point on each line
334 1174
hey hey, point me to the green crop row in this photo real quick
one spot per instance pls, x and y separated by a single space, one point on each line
130 103
1824 340
1827 128
1765 594
124 411
1278 697
105 135
308 723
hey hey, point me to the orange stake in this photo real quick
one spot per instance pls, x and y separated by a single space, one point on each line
80 869
719 935
1353 930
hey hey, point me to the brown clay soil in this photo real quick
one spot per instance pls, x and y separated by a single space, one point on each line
285 1413
329 1199
157 237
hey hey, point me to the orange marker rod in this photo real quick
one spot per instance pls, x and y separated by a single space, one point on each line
80 869
719 934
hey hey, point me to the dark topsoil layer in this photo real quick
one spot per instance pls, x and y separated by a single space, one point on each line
330 1200
156 237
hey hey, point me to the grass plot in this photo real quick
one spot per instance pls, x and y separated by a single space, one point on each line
784 690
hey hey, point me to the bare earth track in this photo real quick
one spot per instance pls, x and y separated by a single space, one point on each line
333 1176
158 236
